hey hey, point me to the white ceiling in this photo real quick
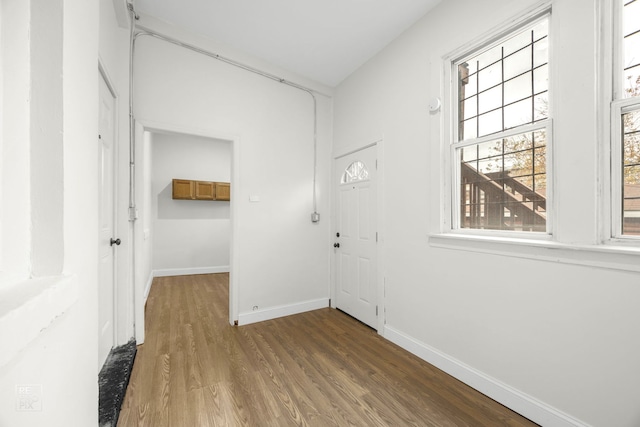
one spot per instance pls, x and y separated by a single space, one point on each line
324 40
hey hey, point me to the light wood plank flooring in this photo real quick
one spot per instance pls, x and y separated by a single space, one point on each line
321 368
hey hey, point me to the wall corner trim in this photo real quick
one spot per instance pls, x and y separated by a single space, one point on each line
527 406
29 308
147 287
281 311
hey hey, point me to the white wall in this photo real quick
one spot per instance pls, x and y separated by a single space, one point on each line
15 199
189 235
558 327
282 258
62 357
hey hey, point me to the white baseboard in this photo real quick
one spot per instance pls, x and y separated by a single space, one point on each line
513 399
281 311
190 271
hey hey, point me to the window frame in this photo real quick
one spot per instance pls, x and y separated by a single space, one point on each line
618 105
451 219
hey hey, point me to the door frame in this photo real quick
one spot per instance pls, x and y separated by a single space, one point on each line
380 279
142 126
104 75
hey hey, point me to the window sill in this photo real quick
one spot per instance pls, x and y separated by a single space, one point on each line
28 308
609 256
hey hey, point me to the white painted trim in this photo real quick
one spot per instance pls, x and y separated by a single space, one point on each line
189 271
529 407
148 286
381 220
29 308
281 311
624 258
153 126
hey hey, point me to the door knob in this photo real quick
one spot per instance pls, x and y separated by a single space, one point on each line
115 242
336 245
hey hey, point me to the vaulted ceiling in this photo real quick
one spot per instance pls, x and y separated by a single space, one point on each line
324 40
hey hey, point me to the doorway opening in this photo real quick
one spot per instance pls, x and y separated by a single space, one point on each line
183 236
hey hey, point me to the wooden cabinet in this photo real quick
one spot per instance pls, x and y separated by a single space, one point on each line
223 191
183 189
205 190
186 189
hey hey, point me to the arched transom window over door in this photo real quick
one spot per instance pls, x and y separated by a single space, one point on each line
356 171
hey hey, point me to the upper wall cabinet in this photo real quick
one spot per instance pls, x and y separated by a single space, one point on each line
223 191
185 189
205 190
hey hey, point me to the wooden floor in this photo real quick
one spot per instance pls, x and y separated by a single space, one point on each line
321 368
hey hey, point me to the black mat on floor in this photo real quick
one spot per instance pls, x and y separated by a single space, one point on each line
112 381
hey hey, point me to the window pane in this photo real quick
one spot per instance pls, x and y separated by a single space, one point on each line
490 76
469 108
632 82
540 160
518 88
356 171
631 18
517 63
505 189
541 79
469 129
490 123
469 86
489 149
541 106
519 163
516 43
467 83
541 52
631 173
487 58
518 114
631 49
488 166
469 153
631 201
503 78
490 100
518 143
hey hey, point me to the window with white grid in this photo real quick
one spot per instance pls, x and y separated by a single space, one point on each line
500 146
626 121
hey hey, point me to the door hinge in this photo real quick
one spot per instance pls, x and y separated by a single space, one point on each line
376 164
376 310
376 236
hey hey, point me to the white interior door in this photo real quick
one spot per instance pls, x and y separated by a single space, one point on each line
356 236
106 291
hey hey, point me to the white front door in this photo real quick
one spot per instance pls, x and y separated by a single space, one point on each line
106 284
356 236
